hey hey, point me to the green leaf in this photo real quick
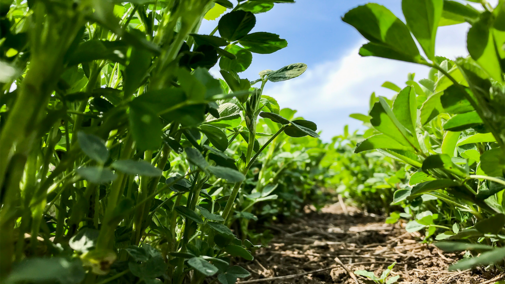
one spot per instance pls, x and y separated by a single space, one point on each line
454 101
209 215
90 50
404 156
209 40
422 18
405 109
228 174
84 240
93 147
202 266
145 126
301 128
441 162
392 86
393 218
386 272
136 70
189 214
218 10
141 168
458 246
255 7
44 270
287 72
237 24
220 228
96 175
414 226
271 104
419 177
193 88
444 82
263 43
492 188
477 138
275 117
221 159
491 225
389 37
457 13
242 61
393 279
196 158
463 121
380 141
138 2
239 251
361 117
467 233
384 120
182 254
226 279
212 85
431 108
428 186
485 258
216 136
369 275
401 195
425 218
238 272
492 162
481 46
449 143
379 50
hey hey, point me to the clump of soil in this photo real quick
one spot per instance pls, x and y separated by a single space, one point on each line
327 246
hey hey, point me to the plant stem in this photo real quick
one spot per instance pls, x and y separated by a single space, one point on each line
264 146
9 214
107 231
493 179
231 200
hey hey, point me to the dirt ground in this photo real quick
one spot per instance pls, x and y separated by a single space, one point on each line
328 246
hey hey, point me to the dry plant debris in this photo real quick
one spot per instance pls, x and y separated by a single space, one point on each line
310 250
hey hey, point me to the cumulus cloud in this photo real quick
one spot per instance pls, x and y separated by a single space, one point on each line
328 92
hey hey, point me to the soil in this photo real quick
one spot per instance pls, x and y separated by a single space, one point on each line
329 245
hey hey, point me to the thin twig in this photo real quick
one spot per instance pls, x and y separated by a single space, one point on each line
342 204
339 262
285 277
496 279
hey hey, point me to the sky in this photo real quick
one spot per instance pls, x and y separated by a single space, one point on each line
338 82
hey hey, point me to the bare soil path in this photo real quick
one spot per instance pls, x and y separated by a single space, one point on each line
327 246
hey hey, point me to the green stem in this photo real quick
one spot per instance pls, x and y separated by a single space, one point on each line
441 227
231 200
107 231
493 179
95 75
8 215
264 146
139 216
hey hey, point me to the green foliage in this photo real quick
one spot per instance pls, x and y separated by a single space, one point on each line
122 152
384 276
446 130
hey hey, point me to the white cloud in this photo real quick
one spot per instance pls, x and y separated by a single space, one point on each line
327 93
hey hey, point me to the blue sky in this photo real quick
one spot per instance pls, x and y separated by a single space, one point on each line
338 81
